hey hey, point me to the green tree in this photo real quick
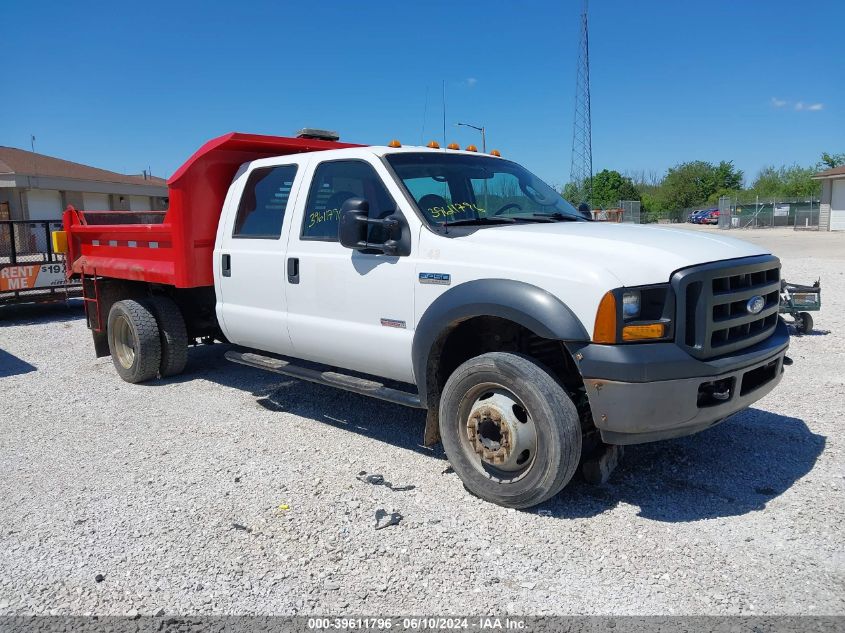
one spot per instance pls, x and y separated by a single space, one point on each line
574 192
786 182
829 161
609 187
694 183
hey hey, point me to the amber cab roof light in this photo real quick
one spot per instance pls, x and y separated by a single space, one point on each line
453 146
433 145
394 143
472 148
495 152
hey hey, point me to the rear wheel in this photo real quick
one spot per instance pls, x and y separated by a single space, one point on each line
133 338
174 336
805 322
509 429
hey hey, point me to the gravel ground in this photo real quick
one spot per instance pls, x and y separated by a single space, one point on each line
231 490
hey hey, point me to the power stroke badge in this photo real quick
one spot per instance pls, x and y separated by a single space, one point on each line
438 279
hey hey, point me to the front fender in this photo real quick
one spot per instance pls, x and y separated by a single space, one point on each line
517 301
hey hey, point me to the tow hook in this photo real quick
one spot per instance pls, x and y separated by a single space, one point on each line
787 361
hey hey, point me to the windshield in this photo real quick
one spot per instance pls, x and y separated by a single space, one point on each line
456 188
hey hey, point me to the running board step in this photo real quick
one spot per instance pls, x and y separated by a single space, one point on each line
330 378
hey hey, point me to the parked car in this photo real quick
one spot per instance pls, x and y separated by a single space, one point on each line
710 217
440 279
695 216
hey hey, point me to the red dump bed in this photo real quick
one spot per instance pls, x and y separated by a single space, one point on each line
173 247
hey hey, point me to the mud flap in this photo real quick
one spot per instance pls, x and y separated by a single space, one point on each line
432 427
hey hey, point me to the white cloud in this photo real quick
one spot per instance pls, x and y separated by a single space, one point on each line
816 106
812 107
778 103
471 81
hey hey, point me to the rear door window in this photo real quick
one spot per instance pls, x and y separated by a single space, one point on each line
263 203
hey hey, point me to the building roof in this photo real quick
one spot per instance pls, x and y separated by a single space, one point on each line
23 163
830 173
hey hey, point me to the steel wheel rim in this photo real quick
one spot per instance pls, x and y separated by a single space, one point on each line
498 433
124 342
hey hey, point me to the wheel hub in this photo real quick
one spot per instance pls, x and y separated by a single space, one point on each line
501 432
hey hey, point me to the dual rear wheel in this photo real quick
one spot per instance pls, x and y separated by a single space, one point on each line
147 338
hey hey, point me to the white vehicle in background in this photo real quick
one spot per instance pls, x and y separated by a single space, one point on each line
530 335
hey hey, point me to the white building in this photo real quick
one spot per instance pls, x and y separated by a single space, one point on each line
38 187
832 209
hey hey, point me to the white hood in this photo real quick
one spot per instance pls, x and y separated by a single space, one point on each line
634 254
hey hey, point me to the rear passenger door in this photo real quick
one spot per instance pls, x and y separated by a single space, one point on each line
249 256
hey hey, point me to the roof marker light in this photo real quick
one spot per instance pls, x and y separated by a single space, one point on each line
496 152
394 143
453 146
472 148
433 145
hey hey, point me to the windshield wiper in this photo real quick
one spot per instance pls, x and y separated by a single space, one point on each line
479 222
554 217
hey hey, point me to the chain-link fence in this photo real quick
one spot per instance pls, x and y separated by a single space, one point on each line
738 213
630 211
25 241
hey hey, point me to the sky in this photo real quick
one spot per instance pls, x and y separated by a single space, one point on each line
130 86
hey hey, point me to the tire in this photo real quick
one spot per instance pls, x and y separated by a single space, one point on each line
174 336
806 325
474 410
134 340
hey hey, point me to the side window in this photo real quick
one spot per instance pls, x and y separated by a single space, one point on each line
334 183
263 203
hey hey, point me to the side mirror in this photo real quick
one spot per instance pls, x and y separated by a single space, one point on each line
355 223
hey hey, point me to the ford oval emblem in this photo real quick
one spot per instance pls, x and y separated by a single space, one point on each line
755 304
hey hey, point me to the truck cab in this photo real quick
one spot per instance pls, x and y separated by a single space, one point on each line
462 284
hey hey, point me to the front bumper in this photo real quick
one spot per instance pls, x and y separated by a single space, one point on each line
644 393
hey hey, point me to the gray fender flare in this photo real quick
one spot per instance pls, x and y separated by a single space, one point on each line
517 301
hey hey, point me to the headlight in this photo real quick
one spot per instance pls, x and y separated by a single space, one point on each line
630 304
631 315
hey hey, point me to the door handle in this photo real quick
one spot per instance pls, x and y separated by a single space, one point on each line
226 265
293 270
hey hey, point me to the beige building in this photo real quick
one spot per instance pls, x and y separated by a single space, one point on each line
832 209
38 187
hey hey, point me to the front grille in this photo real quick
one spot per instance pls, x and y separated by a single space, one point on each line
713 317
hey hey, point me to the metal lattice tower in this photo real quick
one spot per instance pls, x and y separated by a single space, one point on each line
581 166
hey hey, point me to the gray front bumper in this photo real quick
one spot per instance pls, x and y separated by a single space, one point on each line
648 410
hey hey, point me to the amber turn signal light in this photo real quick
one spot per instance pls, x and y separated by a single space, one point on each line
394 143
605 328
643 332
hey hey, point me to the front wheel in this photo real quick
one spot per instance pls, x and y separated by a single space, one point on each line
509 429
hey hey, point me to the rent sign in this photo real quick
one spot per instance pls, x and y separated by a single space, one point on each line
29 276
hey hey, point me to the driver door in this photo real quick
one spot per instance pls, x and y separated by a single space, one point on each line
347 308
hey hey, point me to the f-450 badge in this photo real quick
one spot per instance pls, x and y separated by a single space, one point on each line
439 279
